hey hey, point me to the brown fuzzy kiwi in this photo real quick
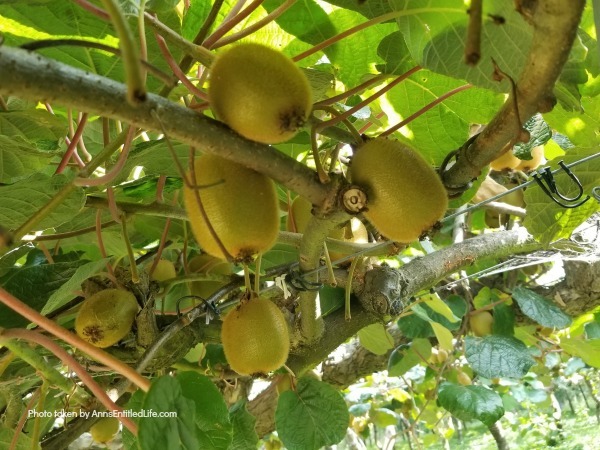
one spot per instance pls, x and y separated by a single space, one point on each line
255 337
240 204
106 317
259 92
405 195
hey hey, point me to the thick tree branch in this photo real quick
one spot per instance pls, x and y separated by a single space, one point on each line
31 76
555 27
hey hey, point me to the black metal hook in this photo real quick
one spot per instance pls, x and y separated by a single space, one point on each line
296 279
550 188
209 307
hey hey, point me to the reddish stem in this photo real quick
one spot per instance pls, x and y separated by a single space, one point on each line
230 24
162 45
73 144
69 361
94 352
425 109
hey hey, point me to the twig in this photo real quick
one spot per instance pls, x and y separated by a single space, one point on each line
473 45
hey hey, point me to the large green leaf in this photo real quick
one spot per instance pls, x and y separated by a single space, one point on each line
498 356
37 127
588 350
444 127
67 291
376 339
244 434
33 285
24 198
166 396
19 159
539 309
312 416
211 416
471 402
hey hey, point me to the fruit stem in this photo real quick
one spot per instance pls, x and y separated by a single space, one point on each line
73 145
368 100
353 30
425 108
197 52
257 264
135 276
255 26
136 85
162 45
330 274
247 282
348 290
228 25
71 363
355 90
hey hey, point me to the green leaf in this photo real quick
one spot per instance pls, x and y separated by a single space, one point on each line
194 17
443 336
67 291
546 220
244 434
331 299
540 133
504 320
376 339
33 285
165 395
23 442
211 415
313 416
35 126
19 159
471 402
405 357
383 417
540 310
498 356
135 403
437 304
588 350
24 198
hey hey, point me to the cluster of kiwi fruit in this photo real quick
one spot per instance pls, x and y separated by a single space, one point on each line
260 94
234 211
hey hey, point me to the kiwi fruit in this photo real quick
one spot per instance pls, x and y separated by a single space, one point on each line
481 323
255 337
537 158
259 92
106 317
405 195
353 231
105 429
164 270
207 264
240 204
489 188
506 161
463 378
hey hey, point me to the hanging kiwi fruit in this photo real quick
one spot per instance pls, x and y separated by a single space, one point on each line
259 92
240 204
106 317
405 195
255 337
